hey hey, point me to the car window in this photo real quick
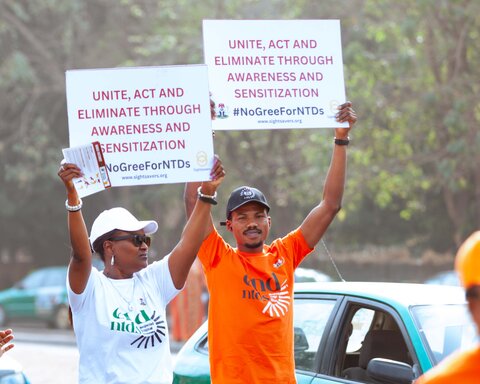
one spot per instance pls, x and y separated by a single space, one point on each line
445 328
361 323
367 332
202 345
34 280
55 278
310 319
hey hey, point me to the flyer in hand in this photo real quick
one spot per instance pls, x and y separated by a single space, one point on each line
89 158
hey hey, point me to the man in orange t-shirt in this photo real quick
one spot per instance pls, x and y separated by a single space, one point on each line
250 325
463 367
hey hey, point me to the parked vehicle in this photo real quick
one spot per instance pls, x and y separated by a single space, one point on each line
362 332
41 295
444 278
308 275
11 372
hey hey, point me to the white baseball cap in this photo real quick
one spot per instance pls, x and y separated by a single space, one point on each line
121 219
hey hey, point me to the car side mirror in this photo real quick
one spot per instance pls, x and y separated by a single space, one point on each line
300 341
390 371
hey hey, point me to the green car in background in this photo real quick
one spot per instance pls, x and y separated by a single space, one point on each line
349 332
41 295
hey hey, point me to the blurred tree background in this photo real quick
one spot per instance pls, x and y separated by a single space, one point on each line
411 69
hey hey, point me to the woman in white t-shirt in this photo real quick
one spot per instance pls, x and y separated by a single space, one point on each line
119 314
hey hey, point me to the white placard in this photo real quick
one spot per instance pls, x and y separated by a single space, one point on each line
271 74
153 123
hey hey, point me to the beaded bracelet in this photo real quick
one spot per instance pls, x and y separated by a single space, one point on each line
74 208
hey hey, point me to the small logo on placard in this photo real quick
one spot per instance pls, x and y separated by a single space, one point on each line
202 158
221 111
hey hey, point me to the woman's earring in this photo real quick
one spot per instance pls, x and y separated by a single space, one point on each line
112 260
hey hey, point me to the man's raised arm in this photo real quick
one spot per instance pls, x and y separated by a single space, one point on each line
191 192
318 220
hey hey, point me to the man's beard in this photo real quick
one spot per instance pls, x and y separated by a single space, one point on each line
254 246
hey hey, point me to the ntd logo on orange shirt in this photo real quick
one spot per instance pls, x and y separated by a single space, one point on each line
276 296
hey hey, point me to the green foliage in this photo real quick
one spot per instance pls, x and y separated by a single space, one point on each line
410 69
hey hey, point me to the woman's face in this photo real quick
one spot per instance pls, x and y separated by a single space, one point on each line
130 250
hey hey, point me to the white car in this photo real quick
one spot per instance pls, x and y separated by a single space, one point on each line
11 372
444 278
308 275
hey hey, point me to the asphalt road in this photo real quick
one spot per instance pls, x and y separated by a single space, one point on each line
49 356
44 364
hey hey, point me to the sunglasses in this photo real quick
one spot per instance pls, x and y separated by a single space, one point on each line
137 240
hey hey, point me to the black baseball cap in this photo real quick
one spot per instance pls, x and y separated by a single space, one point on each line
243 195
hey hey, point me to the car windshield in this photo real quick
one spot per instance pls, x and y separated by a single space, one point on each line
444 328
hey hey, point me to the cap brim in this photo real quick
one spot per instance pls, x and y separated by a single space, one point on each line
148 226
247 202
250 201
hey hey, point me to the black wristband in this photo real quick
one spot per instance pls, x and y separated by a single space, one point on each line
208 200
342 141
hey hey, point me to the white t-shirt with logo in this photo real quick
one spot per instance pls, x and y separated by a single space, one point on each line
121 327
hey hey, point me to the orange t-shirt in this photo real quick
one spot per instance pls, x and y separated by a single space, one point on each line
250 321
461 367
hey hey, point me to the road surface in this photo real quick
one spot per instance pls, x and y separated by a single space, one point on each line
49 356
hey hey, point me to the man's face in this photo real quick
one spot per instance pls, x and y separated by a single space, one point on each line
474 305
250 225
